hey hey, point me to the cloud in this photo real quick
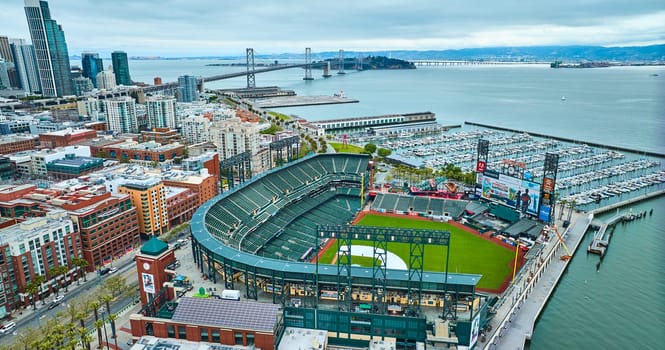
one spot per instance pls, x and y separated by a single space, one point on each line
227 27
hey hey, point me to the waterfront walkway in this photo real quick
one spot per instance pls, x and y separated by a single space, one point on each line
523 302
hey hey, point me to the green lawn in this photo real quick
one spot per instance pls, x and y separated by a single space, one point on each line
468 252
342 148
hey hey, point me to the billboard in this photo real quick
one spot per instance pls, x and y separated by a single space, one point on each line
148 282
520 194
475 329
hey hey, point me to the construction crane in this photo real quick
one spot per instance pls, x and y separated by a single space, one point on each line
568 255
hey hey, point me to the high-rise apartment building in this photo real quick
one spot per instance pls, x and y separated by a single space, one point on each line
92 65
195 129
105 80
50 46
187 88
25 62
161 112
149 198
121 114
121 68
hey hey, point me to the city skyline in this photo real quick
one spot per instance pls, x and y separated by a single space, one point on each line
205 28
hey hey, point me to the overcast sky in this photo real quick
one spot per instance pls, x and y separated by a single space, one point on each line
227 27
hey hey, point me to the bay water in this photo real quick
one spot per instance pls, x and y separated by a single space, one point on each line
621 304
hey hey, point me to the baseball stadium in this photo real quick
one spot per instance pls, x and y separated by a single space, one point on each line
400 269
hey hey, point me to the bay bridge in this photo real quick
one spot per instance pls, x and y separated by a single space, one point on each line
251 71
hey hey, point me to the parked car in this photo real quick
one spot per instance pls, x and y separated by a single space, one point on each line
58 299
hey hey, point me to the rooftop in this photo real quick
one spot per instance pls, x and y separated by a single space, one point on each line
229 314
68 131
154 247
152 343
150 145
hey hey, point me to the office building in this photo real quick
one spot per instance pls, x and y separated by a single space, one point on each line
161 112
4 76
121 68
25 62
92 65
5 50
148 195
121 114
48 39
187 88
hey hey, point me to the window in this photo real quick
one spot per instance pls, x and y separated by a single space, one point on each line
250 339
204 334
238 337
171 331
215 336
182 332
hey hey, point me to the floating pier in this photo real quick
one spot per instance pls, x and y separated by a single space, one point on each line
602 237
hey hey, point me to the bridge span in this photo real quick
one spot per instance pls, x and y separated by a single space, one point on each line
469 62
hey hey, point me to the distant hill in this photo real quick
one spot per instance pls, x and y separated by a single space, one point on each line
652 53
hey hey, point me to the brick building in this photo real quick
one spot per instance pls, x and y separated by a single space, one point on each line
147 151
108 223
203 184
16 143
34 247
226 322
181 203
162 136
66 137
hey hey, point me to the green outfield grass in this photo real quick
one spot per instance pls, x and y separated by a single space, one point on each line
468 252
342 148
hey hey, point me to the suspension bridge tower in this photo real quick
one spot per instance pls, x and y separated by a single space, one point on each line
340 62
251 78
308 64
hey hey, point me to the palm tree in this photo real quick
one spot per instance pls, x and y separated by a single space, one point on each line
38 280
53 274
25 339
81 264
112 318
84 337
98 326
31 289
94 306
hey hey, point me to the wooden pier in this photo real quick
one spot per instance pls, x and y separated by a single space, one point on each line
602 237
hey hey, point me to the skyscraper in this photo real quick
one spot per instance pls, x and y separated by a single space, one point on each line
26 65
5 52
92 65
50 48
121 68
105 79
187 88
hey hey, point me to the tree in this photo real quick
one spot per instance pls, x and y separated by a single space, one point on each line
31 289
112 318
98 326
384 152
80 263
370 148
39 279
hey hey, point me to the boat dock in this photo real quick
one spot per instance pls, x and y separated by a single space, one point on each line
566 139
299 101
602 237
523 302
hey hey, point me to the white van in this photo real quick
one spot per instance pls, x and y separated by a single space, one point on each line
7 327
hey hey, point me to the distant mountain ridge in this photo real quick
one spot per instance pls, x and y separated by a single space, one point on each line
651 53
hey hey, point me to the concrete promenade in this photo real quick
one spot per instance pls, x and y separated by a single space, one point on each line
523 302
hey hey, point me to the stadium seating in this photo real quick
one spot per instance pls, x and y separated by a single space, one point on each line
275 214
